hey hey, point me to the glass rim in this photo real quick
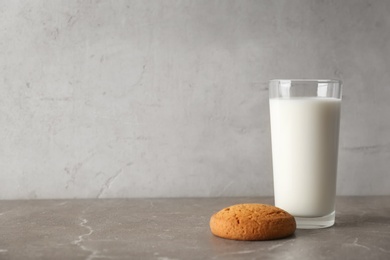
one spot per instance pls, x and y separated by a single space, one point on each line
309 80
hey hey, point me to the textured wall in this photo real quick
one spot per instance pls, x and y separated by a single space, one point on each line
169 98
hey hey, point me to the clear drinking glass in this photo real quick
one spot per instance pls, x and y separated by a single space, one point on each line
305 118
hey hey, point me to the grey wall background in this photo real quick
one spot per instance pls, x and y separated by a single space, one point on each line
169 98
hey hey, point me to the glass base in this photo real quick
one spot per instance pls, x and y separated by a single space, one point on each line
314 223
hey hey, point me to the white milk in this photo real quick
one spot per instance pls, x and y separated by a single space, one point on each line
304 151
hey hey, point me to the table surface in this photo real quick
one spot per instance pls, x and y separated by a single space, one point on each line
164 229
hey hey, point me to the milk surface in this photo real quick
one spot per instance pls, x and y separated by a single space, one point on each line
304 152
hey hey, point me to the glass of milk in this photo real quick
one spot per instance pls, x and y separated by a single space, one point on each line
305 118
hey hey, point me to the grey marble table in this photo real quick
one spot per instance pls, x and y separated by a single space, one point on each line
164 229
